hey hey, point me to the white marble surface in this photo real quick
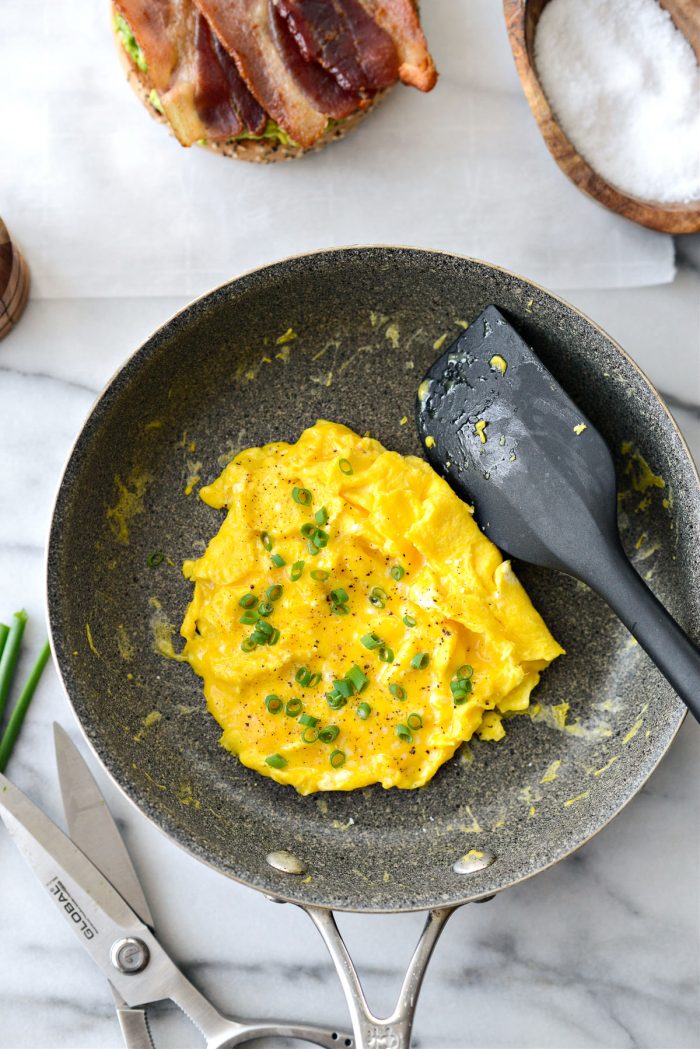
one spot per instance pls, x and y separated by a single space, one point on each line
602 951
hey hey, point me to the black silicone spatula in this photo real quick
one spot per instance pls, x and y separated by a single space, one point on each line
502 431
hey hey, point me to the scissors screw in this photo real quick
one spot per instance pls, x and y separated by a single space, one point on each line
129 955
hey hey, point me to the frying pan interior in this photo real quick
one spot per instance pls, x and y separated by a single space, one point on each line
219 377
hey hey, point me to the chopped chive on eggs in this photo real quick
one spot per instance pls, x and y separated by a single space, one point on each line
350 623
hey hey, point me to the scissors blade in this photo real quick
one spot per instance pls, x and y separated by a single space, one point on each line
92 828
133 1024
98 915
91 824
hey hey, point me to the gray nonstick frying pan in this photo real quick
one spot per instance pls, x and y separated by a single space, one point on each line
347 335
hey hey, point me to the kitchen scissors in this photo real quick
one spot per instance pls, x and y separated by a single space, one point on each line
91 880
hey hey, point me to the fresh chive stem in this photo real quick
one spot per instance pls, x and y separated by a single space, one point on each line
377 597
274 704
461 685
371 641
9 737
303 677
335 700
302 496
296 571
356 678
4 631
276 761
10 655
306 678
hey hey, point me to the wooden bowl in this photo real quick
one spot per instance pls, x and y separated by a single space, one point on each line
14 282
522 17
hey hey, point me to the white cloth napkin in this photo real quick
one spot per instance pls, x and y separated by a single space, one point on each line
105 203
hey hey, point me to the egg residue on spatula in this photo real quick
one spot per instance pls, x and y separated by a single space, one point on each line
350 622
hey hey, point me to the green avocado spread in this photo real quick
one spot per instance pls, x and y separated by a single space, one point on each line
154 99
130 44
126 35
272 130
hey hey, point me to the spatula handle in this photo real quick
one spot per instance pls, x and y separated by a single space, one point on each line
657 632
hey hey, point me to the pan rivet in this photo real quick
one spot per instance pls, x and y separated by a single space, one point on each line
286 862
129 955
473 861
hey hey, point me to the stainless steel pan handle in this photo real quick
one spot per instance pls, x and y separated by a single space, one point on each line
373 1032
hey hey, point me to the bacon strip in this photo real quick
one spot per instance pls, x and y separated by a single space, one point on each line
212 95
341 37
400 19
245 29
160 32
378 54
250 111
321 87
184 68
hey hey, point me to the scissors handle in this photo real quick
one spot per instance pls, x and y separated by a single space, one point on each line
123 946
164 979
221 1032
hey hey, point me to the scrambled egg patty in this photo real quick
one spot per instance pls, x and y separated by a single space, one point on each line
350 622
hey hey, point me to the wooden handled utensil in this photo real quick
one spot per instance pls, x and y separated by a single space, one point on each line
14 282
